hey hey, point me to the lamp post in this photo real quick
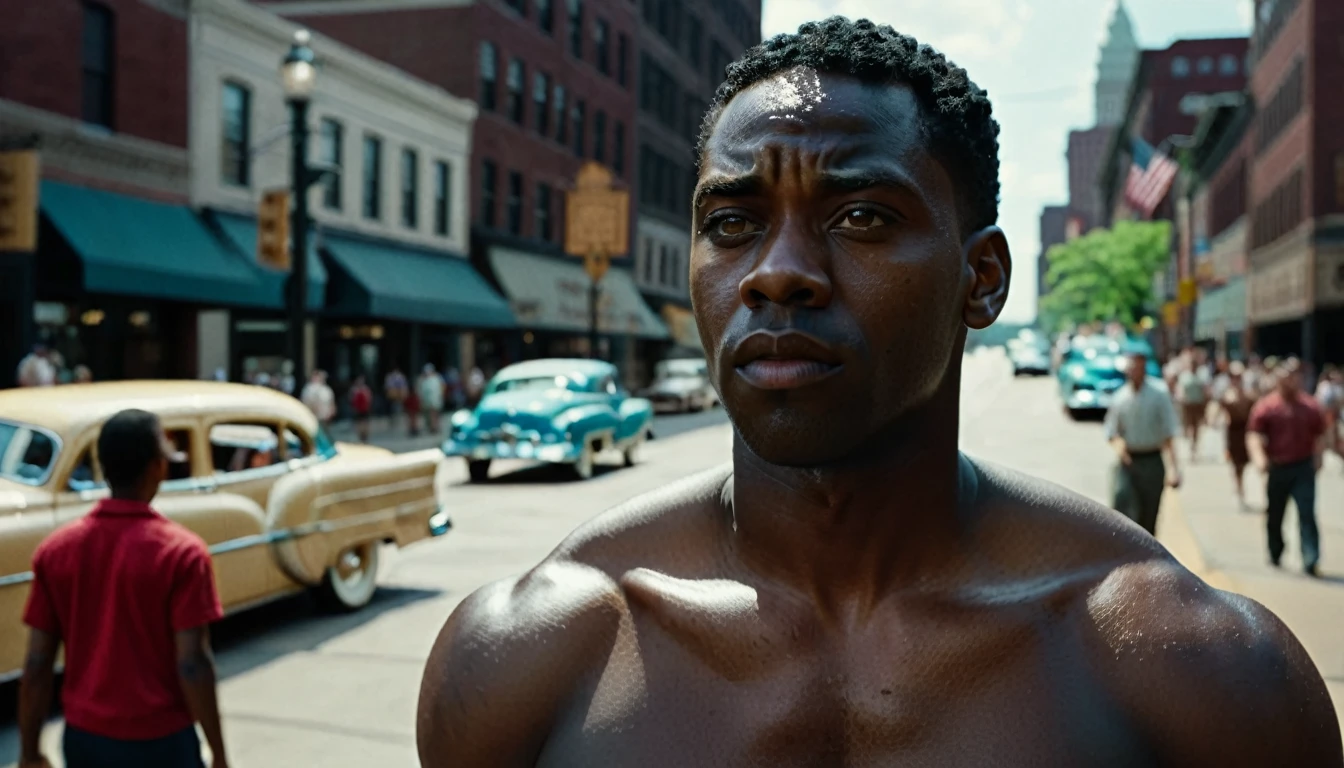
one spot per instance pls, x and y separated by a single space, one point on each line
298 73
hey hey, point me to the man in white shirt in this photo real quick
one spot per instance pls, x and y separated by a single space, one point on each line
37 369
319 398
1141 425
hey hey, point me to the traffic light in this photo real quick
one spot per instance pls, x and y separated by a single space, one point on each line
273 229
18 201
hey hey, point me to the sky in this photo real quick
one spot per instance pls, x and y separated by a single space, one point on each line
1037 59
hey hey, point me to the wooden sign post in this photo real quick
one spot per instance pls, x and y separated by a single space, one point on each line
597 227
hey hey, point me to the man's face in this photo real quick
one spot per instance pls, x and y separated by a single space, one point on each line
1138 369
828 273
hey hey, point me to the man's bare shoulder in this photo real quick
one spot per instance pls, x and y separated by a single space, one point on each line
514 651
1213 678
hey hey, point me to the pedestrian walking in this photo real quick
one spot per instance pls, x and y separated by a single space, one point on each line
456 396
1192 392
361 405
395 390
36 369
430 388
1287 441
1330 394
1141 426
319 398
285 380
1236 404
412 412
475 386
83 375
131 595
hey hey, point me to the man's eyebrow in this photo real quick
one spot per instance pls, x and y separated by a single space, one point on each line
727 186
834 182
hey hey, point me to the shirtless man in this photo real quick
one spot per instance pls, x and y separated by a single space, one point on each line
852 590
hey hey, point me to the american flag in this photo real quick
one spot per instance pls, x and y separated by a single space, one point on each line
1151 174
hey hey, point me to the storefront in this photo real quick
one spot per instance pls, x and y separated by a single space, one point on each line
392 305
1220 319
1279 300
550 299
121 283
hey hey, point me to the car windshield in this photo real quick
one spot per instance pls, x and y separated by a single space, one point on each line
27 454
535 384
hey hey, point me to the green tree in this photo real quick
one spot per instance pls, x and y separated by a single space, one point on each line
1106 275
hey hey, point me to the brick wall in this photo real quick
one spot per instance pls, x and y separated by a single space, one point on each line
1325 76
40 64
450 59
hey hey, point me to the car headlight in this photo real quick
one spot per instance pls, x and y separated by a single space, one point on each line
1077 370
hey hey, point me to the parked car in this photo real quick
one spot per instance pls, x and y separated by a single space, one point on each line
280 506
681 386
1092 370
556 411
1029 355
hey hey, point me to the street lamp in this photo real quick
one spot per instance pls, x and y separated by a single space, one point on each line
298 74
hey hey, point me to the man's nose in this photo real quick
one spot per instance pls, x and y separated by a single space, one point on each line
791 271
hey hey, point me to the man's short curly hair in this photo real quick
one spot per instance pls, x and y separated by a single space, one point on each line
958 123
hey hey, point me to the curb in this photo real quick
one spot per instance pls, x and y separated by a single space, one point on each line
1178 536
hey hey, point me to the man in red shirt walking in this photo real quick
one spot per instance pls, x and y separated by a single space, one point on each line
131 595
1286 438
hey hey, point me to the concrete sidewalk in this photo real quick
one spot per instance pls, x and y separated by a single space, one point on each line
1204 528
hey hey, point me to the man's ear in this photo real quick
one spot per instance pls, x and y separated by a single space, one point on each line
989 267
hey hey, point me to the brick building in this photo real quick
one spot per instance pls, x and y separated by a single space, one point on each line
1296 180
555 81
1086 151
1054 230
684 46
1154 111
100 88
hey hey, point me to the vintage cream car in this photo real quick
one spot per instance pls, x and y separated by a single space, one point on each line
281 507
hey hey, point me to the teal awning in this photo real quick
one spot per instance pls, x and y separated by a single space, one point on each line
241 233
134 247
1221 310
396 282
551 294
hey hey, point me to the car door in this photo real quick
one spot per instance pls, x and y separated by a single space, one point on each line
240 464
25 519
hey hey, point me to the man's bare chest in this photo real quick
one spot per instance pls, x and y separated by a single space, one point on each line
713 688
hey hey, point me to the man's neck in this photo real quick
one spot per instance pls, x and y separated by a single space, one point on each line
848 534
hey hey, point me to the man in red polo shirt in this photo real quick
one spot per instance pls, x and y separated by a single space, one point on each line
131 594
1286 438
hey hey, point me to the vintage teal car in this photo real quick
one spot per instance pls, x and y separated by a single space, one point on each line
557 411
1094 368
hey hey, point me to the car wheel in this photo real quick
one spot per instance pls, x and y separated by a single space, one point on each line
631 452
583 468
479 470
349 585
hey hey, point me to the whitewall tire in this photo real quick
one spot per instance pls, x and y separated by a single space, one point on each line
349 585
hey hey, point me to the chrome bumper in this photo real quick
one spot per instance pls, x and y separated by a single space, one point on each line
554 453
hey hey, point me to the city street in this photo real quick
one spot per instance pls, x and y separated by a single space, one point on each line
303 688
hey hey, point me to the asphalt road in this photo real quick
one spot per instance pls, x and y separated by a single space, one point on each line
302 688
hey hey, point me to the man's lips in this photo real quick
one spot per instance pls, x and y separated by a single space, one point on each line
776 373
784 360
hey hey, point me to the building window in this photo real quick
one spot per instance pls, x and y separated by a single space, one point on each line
618 148
648 261
237 134
1227 65
622 60
332 140
410 188
1284 106
576 28
577 117
561 123
600 136
541 227
488 193
443 184
515 83
693 39
662 265
489 75
1180 67
541 88
601 34
545 16
98 57
373 177
1205 65
515 203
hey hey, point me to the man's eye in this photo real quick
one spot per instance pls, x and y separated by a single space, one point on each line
733 226
861 218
